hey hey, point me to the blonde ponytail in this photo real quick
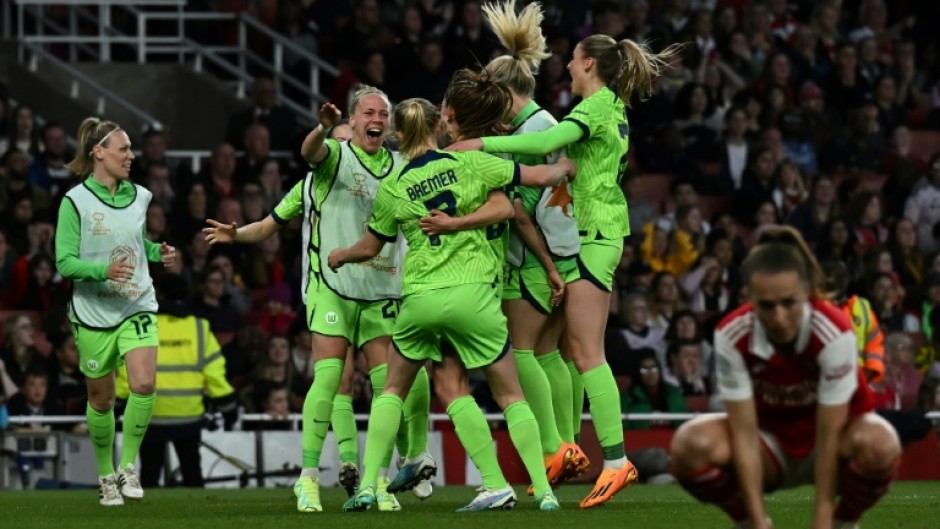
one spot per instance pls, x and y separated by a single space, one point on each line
521 34
414 120
631 66
91 133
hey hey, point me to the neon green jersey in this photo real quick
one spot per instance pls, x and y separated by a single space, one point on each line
600 152
457 184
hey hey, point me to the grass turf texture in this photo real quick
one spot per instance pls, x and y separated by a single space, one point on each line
910 505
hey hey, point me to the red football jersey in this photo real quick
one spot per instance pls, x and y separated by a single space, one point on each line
786 386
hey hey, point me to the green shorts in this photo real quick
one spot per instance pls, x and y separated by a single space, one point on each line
531 283
359 322
101 351
598 261
467 316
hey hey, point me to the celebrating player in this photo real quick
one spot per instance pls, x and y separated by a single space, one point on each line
100 245
355 306
442 273
799 407
596 136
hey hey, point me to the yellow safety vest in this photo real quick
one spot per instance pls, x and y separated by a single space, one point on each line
190 366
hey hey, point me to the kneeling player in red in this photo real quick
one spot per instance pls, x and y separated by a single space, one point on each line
799 408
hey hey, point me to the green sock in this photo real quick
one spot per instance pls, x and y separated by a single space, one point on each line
378 375
344 428
577 398
605 410
384 421
318 407
417 405
136 419
539 396
559 381
101 431
477 440
524 432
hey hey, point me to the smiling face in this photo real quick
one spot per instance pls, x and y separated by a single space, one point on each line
580 67
369 122
114 156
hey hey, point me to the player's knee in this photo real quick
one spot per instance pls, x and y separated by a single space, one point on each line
143 387
448 391
101 402
694 445
877 446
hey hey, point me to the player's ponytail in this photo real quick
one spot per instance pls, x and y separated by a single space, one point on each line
521 34
92 132
480 104
415 120
782 249
630 66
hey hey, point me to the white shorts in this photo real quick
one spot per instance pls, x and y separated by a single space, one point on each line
793 471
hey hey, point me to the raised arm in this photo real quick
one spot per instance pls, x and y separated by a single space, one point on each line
253 233
542 142
497 208
312 148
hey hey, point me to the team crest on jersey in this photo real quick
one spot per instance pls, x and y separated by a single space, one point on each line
359 188
126 252
331 317
98 228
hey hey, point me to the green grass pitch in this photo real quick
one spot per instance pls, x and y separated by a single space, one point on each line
910 505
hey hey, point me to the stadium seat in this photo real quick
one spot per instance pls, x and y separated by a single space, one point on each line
713 204
696 403
925 143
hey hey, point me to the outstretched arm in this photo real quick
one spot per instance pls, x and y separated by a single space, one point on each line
496 209
312 148
253 233
365 248
542 142
547 175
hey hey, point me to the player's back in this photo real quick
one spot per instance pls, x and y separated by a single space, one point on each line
456 184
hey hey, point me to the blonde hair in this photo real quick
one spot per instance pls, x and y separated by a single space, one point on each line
91 133
631 66
521 34
363 91
414 120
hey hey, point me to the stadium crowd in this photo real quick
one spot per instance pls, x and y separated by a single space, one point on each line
812 114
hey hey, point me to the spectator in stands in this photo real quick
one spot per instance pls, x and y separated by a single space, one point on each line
274 401
838 244
695 115
650 392
277 316
66 381
867 213
364 32
736 149
157 181
885 302
684 195
890 113
272 183
276 366
469 40
19 352
687 327
789 191
301 351
664 299
404 54
913 88
817 120
220 177
641 211
153 153
757 186
198 256
817 211
903 170
14 168
235 289
34 400
908 260
685 368
48 169
861 146
243 353
265 266
844 89
667 249
637 331
4 120
724 220
191 212
688 220
706 287
257 150
40 292
212 303
429 78
826 23
901 376
923 208
858 310
279 120
24 134
252 201
808 59
156 223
